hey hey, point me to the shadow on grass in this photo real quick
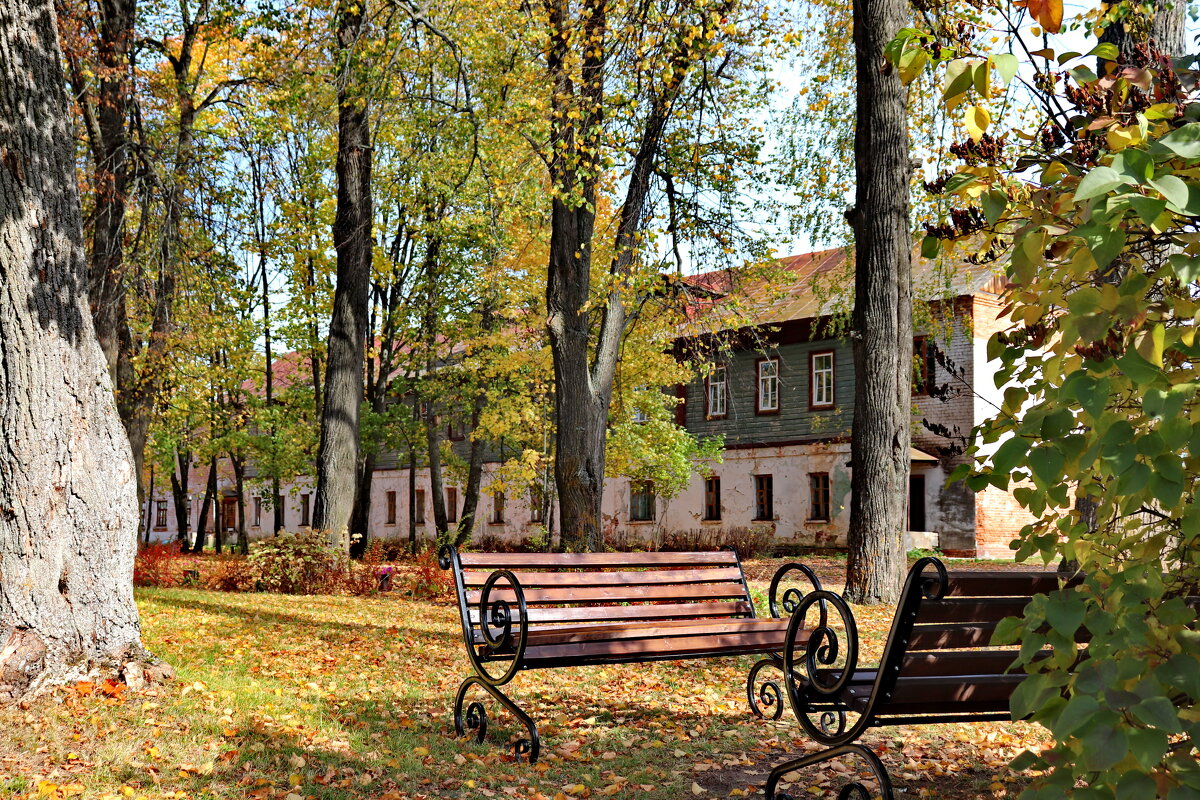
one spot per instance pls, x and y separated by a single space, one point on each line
319 628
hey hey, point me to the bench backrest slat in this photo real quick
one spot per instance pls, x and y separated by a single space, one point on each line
516 561
596 588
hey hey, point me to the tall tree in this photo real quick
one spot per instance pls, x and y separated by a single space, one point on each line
883 240
655 67
68 488
337 459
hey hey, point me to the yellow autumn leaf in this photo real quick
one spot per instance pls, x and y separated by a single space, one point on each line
977 120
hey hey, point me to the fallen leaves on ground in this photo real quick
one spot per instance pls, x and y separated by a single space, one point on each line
334 698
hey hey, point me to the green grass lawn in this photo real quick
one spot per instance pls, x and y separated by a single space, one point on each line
316 698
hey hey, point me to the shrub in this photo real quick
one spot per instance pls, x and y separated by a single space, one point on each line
156 564
232 574
429 581
298 563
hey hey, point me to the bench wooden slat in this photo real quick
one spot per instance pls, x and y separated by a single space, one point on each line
723 558
530 579
546 615
921 695
747 641
973 609
616 594
651 630
984 583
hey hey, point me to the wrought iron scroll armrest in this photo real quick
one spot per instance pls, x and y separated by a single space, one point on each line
497 619
821 647
792 597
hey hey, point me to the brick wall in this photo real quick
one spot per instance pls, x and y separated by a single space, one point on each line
998 519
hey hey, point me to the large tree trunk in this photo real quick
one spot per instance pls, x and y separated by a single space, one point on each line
337 460
360 519
239 480
880 456
437 486
68 489
1164 28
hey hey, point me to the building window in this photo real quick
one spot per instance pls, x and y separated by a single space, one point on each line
820 379
716 394
187 510
451 504
391 508
305 519
419 507
160 514
764 498
768 386
641 501
282 511
537 499
922 365
498 508
818 496
257 518
456 430
712 499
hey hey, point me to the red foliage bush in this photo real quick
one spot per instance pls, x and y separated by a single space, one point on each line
430 581
156 565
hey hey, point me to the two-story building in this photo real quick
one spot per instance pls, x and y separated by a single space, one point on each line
780 390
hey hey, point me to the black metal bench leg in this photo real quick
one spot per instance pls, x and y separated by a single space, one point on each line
475 718
767 701
853 790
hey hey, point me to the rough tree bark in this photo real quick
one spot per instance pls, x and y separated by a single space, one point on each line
1162 24
337 459
68 490
881 436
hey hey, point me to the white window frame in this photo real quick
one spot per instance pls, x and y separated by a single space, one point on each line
768 385
822 380
718 392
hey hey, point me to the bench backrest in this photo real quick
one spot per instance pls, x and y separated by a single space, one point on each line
566 588
944 624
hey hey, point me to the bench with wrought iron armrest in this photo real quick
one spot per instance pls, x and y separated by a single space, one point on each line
523 611
936 667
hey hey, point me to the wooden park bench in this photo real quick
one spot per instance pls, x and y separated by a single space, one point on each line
937 665
523 611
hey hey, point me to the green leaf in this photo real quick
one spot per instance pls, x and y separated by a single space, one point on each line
1046 462
1105 51
959 181
1104 747
1006 66
1100 180
1065 612
995 203
930 246
1057 424
1030 695
1079 710
1135 785
1158 712
1104 242
1134 165
958 78
1186 268
1173 189
1009 454
1148 746
1007 631
1184 141
1148 208
1138 369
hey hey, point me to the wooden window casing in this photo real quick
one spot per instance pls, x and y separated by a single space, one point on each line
716 394
766 399
712 499
821 379
764 498
391 507
641 502
818 497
